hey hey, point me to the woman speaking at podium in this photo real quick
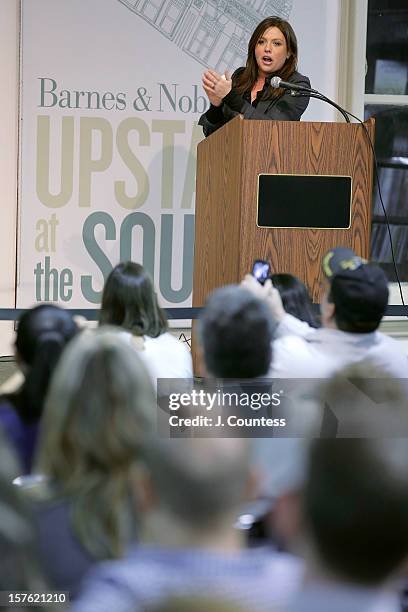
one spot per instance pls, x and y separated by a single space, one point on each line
272 52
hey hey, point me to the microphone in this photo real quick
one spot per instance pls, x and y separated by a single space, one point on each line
277 82
300 90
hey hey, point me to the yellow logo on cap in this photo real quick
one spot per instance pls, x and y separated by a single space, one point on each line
346 264
326 262
351 264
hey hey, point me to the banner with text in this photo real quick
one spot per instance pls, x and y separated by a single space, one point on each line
110 99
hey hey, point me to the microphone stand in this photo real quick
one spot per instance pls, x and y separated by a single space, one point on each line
319 96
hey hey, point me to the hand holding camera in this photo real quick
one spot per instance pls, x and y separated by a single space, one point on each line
261 285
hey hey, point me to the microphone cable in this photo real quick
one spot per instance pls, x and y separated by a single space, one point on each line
343 111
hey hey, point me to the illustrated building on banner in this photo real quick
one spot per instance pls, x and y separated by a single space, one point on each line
213 32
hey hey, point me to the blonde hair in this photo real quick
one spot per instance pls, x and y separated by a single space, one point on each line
99 408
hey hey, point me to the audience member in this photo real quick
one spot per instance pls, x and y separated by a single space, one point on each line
236 337
295 298
190 493
349 516
100 407
352 307
236 333
42 334
362 400
130 302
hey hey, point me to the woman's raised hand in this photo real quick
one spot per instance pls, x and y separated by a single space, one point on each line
216 86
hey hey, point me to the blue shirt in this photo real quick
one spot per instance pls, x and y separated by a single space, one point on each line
255 579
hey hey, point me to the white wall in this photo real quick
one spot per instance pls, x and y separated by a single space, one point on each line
319 45
9 61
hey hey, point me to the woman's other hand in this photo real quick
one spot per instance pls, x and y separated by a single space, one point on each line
216 86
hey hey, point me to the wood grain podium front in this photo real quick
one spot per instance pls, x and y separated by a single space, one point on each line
229 162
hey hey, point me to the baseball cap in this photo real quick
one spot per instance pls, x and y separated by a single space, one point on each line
359 290
340 259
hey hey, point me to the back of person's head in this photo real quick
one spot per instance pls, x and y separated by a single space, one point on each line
295 297
42 334
363 400
129 301
100 407
356 506
199 481
358 290
236 334
355 500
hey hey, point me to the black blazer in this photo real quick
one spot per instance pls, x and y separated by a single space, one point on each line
284 108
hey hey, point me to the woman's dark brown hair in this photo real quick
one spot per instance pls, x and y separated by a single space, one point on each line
247 78
129 301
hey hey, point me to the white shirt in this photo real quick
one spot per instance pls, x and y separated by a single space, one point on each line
164 356
318 353
167 357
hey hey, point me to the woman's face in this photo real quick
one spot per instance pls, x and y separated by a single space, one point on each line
271 52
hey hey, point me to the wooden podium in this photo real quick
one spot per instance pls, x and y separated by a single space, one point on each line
227 237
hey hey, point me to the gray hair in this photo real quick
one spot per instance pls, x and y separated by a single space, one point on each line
236 331
200 480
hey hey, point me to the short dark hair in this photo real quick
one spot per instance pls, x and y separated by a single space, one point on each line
355 504
358 290
236 334
129 301
360 297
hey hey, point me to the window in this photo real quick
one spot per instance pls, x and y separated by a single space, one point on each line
386 99
171 17
233 55
151 9
205 38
